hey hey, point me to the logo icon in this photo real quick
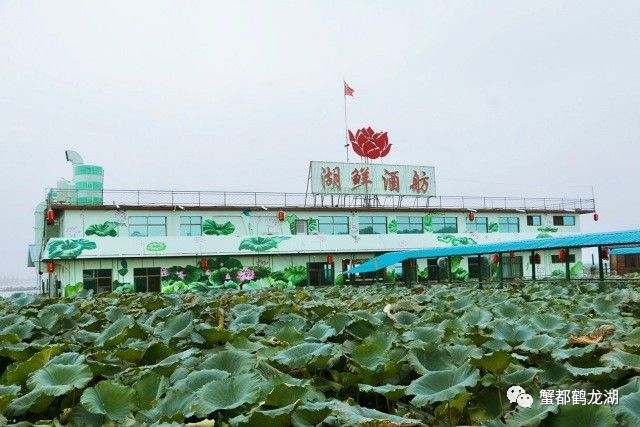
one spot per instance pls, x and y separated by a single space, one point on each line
517 394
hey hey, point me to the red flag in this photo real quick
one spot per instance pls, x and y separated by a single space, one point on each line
347 90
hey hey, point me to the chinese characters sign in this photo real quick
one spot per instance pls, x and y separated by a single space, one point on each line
373 179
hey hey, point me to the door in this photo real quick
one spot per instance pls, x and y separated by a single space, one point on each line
320 273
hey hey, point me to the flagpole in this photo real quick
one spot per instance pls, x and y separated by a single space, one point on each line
346 126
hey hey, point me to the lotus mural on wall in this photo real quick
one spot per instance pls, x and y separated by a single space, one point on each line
71 248
106 229
156 246
212 228
261 243
369 143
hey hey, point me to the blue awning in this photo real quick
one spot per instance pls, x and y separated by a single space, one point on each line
625 251
630 237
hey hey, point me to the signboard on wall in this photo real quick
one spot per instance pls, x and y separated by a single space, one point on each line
372 179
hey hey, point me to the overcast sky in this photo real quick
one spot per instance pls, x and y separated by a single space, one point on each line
502 97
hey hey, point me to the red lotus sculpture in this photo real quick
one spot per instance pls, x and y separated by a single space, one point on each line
368 143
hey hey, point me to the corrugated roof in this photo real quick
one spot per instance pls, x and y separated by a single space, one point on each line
625 251
574 241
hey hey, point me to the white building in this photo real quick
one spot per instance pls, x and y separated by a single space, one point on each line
350 213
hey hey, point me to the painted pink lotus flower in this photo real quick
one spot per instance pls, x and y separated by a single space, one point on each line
181 275
164 272
369 143
246 275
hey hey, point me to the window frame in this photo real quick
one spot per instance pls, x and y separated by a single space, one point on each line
324 225
444 224
561 220
508 223
419 224
555 259
531 222
190 225
477 221
305 223
147 226
98 275
373 224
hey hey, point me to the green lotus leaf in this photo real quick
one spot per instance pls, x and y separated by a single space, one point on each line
548 229
210 227
480 317
493 227
540 344
460 354
530 416
628 409
519 376
232 361
68 249
261 243
17 373
547 322
441 386
355 415
405 318
620 359
35 401
495 362
56 380
424 334
390 391
285 394
583 416
305 354
114 333
511 332
245 321
370 356
7 394
586 372
108 228
295 274
198 379
265 417
228 393
320 332
109 398
156 247
392 227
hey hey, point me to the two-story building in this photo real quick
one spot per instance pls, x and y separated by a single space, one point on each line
349 213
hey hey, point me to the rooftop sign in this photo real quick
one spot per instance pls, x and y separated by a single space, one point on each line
372 179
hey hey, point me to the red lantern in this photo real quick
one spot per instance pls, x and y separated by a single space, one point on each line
595 216
329 259
536 258
204 263
51 216
495 259
51 267
605 253
562 255
280 215
472 216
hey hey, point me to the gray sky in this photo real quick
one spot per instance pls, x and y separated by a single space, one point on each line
502 97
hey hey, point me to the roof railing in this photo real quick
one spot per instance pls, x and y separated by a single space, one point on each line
276 200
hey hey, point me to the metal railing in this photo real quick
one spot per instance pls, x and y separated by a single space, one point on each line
277 200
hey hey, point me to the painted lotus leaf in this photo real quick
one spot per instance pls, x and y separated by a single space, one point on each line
493 227
261 243
212 228
291 219
548 229
456 241
312 226
426 223
156 246
71 248
393 226
108 228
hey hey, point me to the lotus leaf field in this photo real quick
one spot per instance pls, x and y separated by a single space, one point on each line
339 356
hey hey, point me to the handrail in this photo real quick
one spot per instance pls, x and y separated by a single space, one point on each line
268 199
